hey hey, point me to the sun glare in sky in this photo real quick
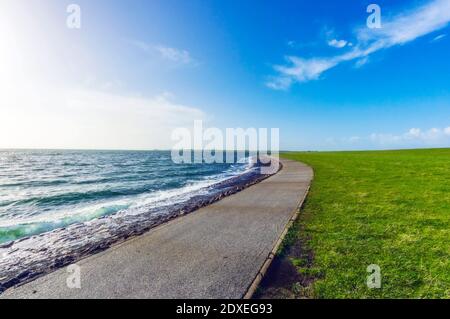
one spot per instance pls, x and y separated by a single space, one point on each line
47 101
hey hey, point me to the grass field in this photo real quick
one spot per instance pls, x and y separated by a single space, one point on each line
390 208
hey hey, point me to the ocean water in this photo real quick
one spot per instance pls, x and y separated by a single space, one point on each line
47 190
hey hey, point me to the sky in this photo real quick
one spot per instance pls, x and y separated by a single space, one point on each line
136 70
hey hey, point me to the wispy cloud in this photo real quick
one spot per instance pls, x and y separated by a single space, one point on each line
337 43
439 37
300 70
144 46
291 43
399 30
173 55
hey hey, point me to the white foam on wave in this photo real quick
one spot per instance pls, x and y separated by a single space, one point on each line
131 205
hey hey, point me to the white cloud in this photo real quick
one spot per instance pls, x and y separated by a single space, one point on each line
291 43
398 30
174 55
50 117
439 37
279 83
414 137
301 70
337 43
141 45
361 62
447 130
414 132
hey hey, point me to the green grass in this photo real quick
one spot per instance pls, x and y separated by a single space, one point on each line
390 208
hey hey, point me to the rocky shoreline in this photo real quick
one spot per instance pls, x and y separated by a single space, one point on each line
28 258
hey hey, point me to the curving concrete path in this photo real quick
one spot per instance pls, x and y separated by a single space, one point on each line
215 252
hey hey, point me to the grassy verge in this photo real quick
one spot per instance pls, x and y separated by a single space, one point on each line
390 208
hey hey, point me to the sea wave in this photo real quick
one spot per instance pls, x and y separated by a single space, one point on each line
132 202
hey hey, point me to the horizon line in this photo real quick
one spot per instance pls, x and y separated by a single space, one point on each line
195 150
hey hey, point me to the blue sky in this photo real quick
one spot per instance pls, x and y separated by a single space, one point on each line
314 70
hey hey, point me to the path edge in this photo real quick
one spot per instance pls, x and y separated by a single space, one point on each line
263 270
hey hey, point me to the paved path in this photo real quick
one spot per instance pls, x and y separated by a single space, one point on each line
215 252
